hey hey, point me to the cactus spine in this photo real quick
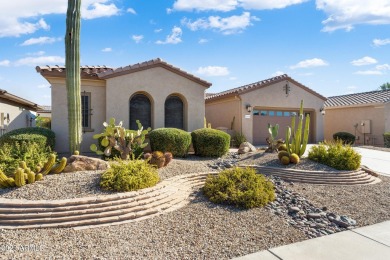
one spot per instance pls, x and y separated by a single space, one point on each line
294 141
31 177
60 166
19 178
72 65
49 164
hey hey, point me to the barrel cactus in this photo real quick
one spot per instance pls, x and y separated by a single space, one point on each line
58 168
49 164
30 177
39 177
19 178
157 159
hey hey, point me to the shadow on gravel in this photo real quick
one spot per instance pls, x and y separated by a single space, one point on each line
198 197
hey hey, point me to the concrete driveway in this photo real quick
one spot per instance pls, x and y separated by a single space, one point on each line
378 161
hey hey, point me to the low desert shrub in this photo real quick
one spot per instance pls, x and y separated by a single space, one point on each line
43 136
210 142
238 138
345 137
240 187
336 155
129 175
172 140
30 152
386 137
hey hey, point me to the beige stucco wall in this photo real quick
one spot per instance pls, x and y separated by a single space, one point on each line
273 97
157 83
387 116
344 119
17 115
221 113
59 112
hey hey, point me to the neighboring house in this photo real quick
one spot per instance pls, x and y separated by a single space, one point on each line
155 92
271 101
15 112
44 111
365 115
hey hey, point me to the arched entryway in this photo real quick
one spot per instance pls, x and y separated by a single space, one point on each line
140 109
174 112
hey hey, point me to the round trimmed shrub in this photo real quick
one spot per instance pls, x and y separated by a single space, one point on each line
172 140
40 135
240 187
345 137
129 175
210 142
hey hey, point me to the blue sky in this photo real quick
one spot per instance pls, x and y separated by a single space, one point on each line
334 47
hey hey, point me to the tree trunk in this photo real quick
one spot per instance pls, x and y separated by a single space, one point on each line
72 65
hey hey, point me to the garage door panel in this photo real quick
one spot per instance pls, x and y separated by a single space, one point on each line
262 118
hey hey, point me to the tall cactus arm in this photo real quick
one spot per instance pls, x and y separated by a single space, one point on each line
305 136
288 136
72 65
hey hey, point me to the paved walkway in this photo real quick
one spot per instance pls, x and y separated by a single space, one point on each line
370 242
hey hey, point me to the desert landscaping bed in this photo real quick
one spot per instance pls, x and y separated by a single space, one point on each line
199 230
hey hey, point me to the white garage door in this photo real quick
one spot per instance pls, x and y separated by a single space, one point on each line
263 117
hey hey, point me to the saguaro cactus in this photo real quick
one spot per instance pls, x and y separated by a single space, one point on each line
72 65
294 141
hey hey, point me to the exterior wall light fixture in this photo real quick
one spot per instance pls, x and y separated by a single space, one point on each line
249 108
322 111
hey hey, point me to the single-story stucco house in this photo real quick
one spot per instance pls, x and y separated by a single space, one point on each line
155 92
272 101
15 112
365 115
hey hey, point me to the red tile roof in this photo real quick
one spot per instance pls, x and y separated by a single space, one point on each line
103 72
151 64
87 72
372 97
258 85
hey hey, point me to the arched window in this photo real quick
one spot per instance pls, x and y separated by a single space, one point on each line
174 112
140 109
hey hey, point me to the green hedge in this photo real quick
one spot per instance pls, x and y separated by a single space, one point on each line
345 137
386 137
172 140
210 142
39 135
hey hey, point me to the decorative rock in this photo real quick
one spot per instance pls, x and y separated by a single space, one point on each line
85 163
246 147
293 209
313 215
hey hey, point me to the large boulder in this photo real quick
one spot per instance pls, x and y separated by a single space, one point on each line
246 147
85 163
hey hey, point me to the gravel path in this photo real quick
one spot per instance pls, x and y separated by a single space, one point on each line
201 230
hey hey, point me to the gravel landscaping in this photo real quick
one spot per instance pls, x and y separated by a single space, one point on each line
198 231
